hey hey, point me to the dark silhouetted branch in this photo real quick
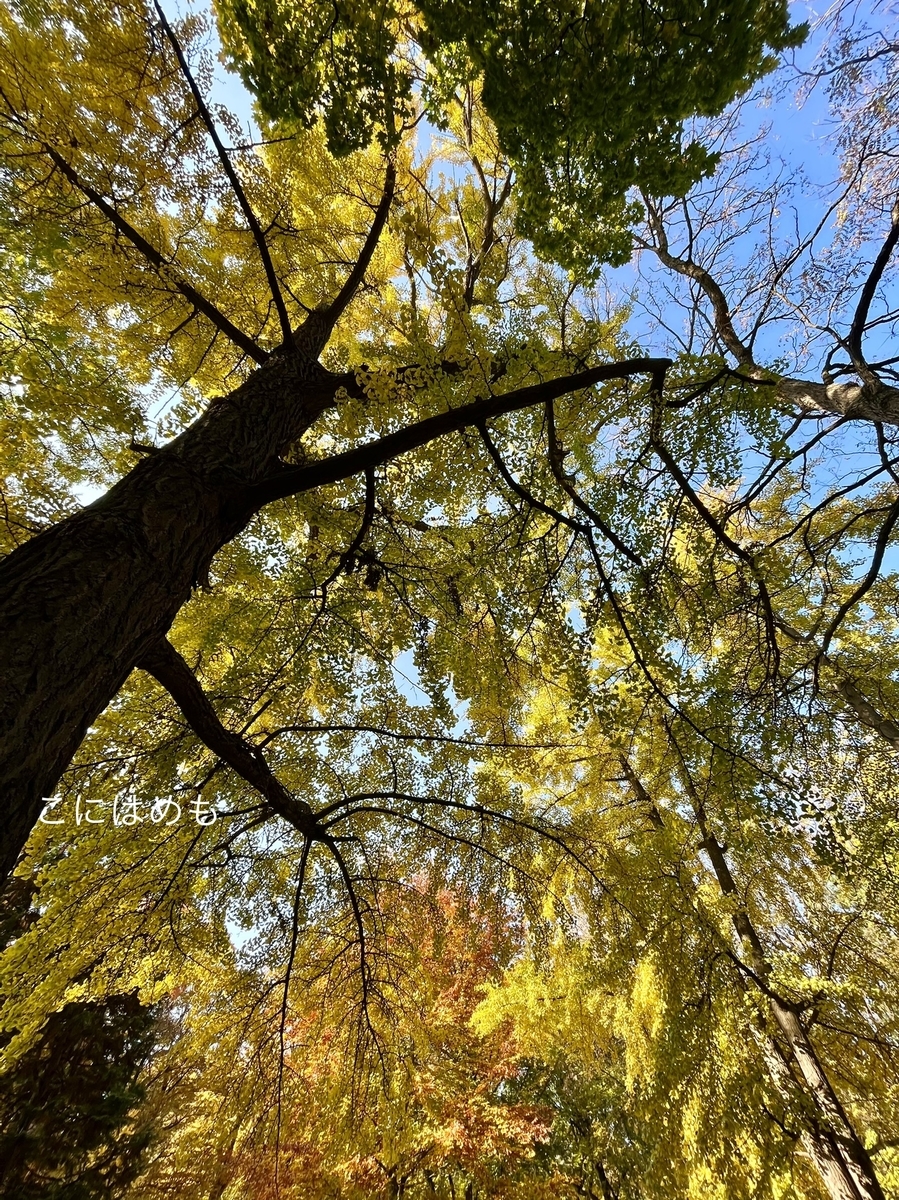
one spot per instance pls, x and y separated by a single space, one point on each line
854 340
412 437
556 457
870 578
521 491
236 185
368 516
170 670
354 279
158 261
723 321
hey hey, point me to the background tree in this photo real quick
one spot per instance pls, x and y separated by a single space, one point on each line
68 1107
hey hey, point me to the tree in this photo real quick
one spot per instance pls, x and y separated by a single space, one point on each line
226 462
660 1015
68 1103
426 1118
605 578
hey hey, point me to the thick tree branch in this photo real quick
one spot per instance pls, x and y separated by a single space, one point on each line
857 402
170 670
842 1151
832 1143
867 713
236 185
412 437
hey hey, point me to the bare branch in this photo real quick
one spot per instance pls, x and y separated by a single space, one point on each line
724 325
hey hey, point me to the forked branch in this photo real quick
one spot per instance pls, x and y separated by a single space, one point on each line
157 260
311 337
723 321
236 186
354 279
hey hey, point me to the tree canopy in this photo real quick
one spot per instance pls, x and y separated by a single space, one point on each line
465 714
587 101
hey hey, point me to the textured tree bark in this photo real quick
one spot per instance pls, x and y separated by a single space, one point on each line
814 1141
867 713
843 1161
860 402
82 602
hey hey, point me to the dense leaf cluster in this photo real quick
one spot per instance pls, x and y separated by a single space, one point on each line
588 100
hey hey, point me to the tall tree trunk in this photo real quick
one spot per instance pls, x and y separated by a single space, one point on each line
82 602
817 1142
828 1135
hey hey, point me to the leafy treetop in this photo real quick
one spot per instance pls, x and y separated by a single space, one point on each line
588 100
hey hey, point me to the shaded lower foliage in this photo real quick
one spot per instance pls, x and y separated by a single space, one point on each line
67 1105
